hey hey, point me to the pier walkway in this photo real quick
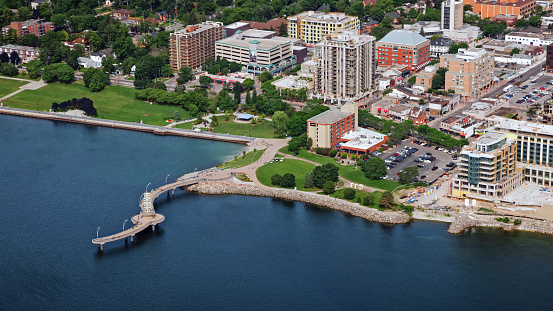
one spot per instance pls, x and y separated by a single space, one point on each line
148 216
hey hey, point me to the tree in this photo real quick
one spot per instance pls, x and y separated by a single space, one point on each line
93 40
205 81
95 79
248 84
4 57
276 179
374 168
386 200
349 194
408 174
326 172
535 21
328 187
108 64
368 200
288 180
29 40
280 122
176 116
467 7
14 58
34 68
514 51
308 182
438 80
8 69
412 80
234 67
412 13
309 143
282 30
454 48
185 75
123 47
265 76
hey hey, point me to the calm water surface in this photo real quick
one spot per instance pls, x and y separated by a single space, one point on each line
60 181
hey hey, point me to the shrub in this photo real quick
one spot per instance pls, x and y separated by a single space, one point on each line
288 180
353 156
276 179
328 187
323 151
344 155
254 121
332 153
349 194
505 219
517 222
387 200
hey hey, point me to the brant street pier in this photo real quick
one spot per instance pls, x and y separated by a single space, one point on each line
148 216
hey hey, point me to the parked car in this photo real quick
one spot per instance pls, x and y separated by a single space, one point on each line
434 168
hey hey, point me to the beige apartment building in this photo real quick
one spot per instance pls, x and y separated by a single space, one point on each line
256 54
311 26
424 77
191 46
488 168
470 71
345 69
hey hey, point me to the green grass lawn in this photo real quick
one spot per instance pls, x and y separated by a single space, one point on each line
26 77
262 130
296 167
249 158
346 171
8 86
113 103
359 194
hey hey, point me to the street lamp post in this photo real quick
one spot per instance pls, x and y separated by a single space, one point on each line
97 230
124 224
147 186
166 179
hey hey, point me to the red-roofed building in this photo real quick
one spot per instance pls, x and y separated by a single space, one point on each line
152 20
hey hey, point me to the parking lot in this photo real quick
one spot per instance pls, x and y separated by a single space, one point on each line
531 87
442 159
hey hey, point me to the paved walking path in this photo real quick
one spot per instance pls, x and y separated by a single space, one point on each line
32 85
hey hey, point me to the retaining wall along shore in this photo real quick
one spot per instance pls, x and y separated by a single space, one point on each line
158 130
229 187
463 222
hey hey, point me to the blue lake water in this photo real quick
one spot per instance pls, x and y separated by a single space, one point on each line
60 181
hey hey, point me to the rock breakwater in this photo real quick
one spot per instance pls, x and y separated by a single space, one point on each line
463 222
229 187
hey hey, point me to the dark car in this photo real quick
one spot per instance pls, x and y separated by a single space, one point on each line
423 176
434 168
432 159
428 153
420 165
451 164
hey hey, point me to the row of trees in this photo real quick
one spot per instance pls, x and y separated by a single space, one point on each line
287 180
84 104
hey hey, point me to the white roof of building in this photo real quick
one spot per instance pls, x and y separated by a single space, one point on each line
236 25
362 139
521 126
404 37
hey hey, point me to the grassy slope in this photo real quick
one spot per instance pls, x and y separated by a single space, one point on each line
243 160
115 102
8 86
296 167
346 171
262 130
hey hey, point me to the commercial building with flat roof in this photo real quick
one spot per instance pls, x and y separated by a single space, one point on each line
257 55
191 46
491 8
362 141
470 71
403 47
327 128
345 69
488 167
311 26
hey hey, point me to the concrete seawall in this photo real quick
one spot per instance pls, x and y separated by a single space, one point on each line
463 222
228 187
157 130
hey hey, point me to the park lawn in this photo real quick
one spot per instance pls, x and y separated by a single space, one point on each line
20 76
359 194
113 103
242 160
262 130
346 171
297 167
8 86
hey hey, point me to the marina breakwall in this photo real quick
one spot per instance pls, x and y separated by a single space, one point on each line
463 222
157 130
229 187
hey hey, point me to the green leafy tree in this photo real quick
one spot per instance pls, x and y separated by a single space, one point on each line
282 30
514 51
386 200
326 172
349 194
29 40
176 116
109 64
328 187
535 21
94 40
438 80
248 84
280 122
368 200
408 174
308 181
276 179
185 75
265 76
288 180
454 48
34 68
374 168
205 81
413 13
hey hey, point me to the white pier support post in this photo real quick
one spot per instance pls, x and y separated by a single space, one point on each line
153 227
132 238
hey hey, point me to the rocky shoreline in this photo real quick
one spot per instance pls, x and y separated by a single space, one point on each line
460 222
229 187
